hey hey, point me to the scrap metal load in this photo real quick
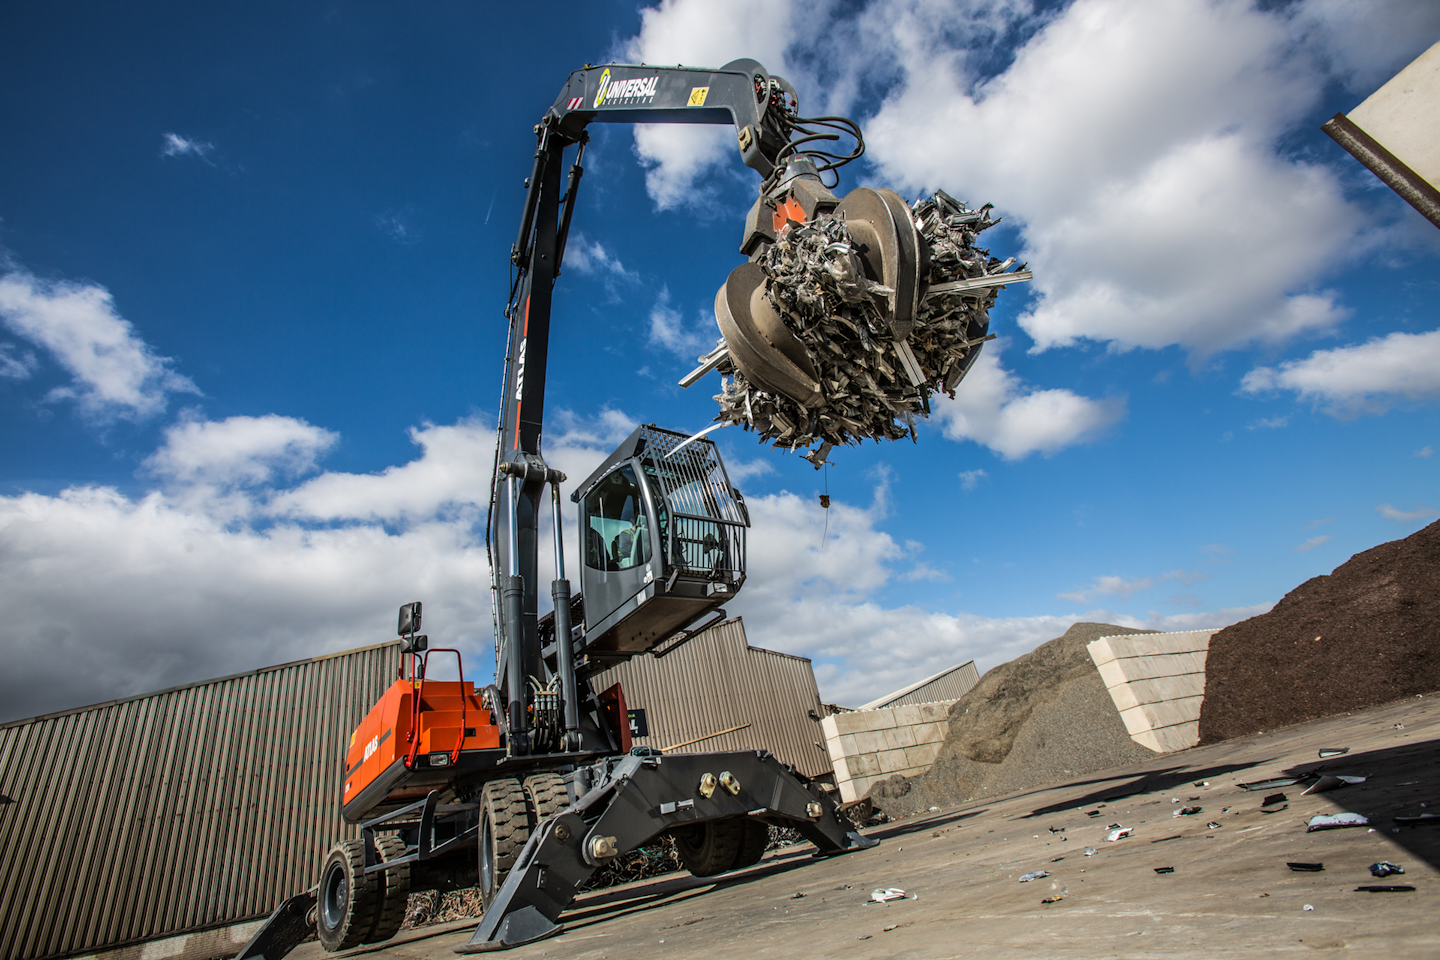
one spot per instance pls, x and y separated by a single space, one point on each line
851 313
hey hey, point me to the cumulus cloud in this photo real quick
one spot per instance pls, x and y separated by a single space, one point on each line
708 34
115 374
169 586
1405 516
1135 142
670 329
1369 377
1312 543
1114 586
16 365
591 258
970 479
175 145
995 408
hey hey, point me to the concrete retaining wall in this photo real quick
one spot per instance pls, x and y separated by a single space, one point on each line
870 745
1157 681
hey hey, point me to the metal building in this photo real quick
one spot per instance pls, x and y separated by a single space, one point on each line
949 684
179 810
717 682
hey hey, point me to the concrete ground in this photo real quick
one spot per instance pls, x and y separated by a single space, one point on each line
1231 892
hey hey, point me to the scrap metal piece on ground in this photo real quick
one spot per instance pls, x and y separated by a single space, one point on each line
1384 868
1422 818
1386 888
1271 784
1334 821
880 895
843 329
1273 799
1164 869
1326 752
1328 783
1037 875
1306 867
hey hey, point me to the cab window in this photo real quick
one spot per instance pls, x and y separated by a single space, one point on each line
617 534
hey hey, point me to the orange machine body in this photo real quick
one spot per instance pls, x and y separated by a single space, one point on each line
383 739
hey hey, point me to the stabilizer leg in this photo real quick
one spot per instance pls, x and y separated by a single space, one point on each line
635 799
282 931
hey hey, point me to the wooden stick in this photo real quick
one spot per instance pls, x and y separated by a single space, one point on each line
708 736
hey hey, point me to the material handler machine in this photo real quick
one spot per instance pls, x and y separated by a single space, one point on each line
532 782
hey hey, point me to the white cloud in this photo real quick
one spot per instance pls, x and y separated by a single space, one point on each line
1312 543
704 33
669 329
1425 452
1109 585
1364 378
591 258
239 450
1135 143
1317 523
115 373
970 479
452 474
993 407
1271 423
175 145
167 588
398 226
1405 516
1368 43
15 365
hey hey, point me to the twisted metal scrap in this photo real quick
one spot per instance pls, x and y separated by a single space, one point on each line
816 281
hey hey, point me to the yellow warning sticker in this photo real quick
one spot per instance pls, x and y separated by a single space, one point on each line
697 96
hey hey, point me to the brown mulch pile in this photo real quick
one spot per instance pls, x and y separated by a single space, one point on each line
1367 634
1044 717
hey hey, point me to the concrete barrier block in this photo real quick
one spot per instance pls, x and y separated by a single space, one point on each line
1181 736
903 736
922 756
1148 739
1154 644
841 766
1136 721
853 722
1101 650
865 765
830 726
1124 696
1112 673
870 741
935 712
1169 713
908 715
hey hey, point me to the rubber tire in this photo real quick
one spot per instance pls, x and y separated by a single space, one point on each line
754 838
545 796
348 900
392 887
504 828
711 847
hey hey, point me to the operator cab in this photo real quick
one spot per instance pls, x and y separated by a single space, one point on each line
662 540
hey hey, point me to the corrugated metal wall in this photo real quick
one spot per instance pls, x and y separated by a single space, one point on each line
950 684
179 810
717 681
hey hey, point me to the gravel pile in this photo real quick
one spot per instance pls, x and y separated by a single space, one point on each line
1366 634
1042 718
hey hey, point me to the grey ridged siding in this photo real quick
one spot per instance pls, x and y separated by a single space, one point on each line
949 684
192 807
717 681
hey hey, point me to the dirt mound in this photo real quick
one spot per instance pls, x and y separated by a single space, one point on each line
1041 718
1366 634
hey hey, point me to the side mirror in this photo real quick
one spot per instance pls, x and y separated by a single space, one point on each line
409 619
413 644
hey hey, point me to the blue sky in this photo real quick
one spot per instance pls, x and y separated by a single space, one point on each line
254 264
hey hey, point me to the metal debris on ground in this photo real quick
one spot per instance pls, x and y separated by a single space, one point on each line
1333 821
1164 869
1119 834
1270 784
1186 812
881 895
1306 867
1333 752
859 374
1308 907
1167 839
1212 825
1384 868
1386 888
1423 818
428 907
1054 899
1328 782
1273 799
1037 875
1090 851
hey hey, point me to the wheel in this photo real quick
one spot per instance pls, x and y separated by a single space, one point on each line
754 838
348 899
504 828
545 796
711 847
392 890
